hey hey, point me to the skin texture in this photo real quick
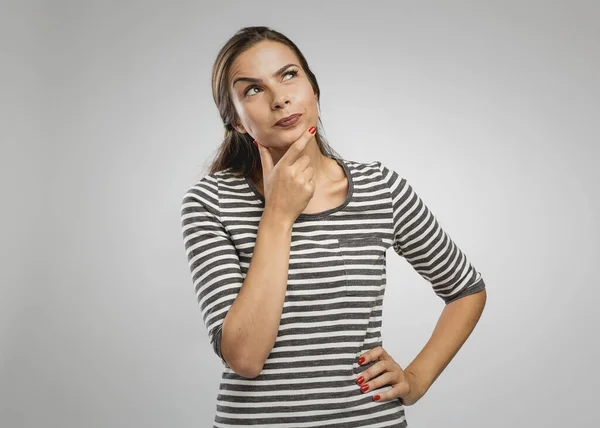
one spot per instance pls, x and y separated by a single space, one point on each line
260 105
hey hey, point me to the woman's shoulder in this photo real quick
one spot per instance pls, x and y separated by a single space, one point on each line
361 164
372 168
206 187
383 172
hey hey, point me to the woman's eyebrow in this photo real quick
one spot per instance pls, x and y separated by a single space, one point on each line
253 80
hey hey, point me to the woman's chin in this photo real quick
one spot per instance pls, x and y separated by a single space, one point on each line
284 141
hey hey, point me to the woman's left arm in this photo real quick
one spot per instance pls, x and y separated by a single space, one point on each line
428 248
457 321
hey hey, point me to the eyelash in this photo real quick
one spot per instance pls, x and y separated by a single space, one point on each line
294 73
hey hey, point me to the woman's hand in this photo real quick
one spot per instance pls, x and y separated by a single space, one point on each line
386 371
288 185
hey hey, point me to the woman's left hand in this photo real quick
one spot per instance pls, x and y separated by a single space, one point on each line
386 371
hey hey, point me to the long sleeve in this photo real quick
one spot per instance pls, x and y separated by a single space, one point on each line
212 257
421 241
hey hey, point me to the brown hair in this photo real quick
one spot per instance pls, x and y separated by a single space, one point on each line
237 150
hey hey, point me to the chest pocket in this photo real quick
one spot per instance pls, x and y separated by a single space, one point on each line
364 265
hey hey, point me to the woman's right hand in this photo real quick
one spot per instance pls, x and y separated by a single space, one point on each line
288 186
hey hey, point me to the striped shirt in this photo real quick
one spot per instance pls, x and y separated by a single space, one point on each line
332 311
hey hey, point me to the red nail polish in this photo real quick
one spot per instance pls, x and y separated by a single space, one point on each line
364 387
312 130
360 380
255 143
361 360
376 397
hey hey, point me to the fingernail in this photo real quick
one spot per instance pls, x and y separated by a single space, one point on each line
255 143
361 360
312 130
364 387
360 380
376 397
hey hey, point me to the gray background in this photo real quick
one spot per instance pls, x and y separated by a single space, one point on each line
489 109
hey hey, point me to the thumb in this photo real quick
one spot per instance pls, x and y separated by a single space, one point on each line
266 160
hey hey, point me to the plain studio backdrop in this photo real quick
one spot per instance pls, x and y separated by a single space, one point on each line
489 109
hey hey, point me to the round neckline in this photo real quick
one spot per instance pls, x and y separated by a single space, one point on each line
320 214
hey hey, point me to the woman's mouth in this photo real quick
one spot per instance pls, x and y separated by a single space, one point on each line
289 121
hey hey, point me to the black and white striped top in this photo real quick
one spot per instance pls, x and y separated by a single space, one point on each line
333 304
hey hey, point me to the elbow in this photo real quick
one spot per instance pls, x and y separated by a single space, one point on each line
243 367
247 371
238 360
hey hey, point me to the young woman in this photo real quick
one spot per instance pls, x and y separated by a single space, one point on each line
286 243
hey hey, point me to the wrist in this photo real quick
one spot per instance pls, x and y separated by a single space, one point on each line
418 382
273 219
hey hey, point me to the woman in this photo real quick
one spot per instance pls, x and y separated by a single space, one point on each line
286 243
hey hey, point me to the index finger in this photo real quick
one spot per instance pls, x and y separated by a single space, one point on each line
295 150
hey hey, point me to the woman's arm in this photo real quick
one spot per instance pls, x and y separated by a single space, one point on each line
457 321
241 314
252 323
428 248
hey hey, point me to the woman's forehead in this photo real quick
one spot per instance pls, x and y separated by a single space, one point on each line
262 59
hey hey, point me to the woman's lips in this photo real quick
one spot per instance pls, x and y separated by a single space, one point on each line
290 122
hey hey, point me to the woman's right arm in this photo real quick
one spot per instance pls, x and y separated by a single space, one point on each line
252 323
241 314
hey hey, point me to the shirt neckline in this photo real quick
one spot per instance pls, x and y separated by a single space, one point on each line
320 214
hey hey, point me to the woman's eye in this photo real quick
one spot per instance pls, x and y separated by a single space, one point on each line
292 72
248 90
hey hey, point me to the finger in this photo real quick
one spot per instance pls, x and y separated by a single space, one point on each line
266 160
397 391
302 162
372 372
295 150
378 380
308 173
371 355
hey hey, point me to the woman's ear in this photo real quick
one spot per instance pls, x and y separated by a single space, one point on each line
239 128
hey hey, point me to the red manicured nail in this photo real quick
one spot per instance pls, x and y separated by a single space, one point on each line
361 360
360 380
312 130
364 387
255 143
376 397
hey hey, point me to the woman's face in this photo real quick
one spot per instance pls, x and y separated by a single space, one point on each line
264 98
